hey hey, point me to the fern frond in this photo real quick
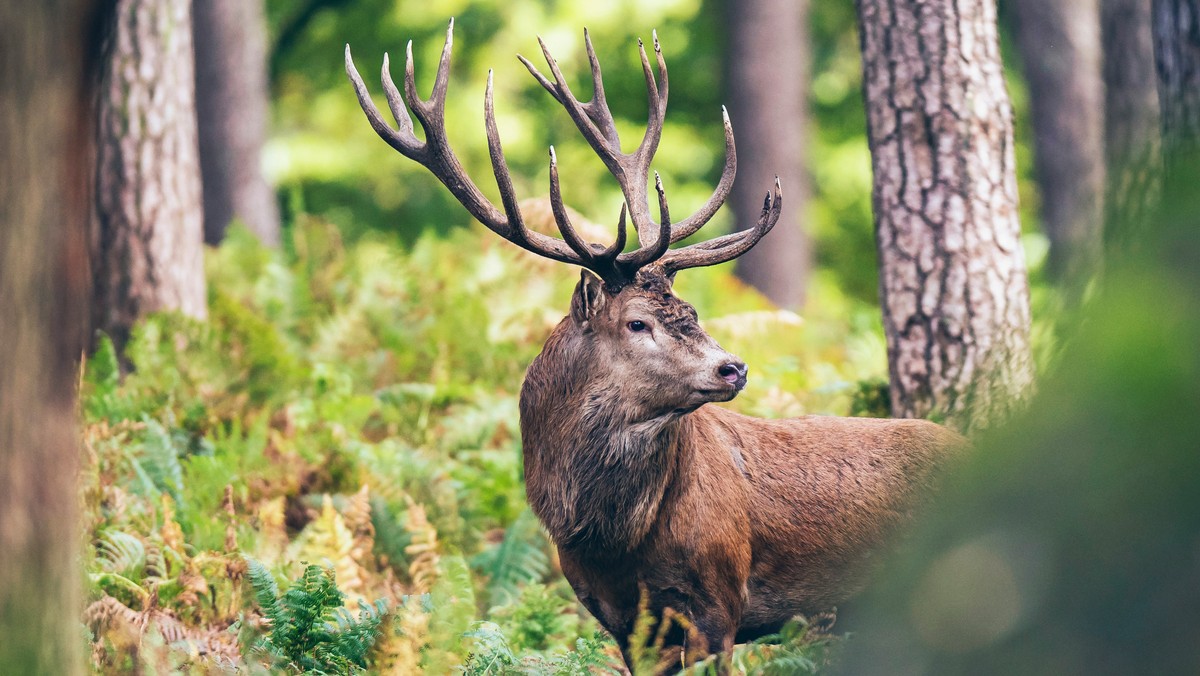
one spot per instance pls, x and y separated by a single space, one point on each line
453 600
520 558
403 637
591 656
310 631
357 513
171 532
156 563
422 548
266 590
121 553
490 654
158 459
328 538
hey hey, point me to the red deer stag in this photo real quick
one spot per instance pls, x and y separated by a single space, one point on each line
735 522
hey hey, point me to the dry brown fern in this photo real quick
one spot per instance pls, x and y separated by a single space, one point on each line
422 549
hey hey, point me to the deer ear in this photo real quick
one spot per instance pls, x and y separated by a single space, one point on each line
588 298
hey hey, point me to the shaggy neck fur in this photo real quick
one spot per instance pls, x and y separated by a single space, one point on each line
595 473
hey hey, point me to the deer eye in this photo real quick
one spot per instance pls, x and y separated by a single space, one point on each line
637 326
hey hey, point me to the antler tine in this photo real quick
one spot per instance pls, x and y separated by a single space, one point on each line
571 237
430 112
688 226
405 143
597 108
518 234
591 132
618 246
394 99
442 81
630 262
731 246
410 86
656 95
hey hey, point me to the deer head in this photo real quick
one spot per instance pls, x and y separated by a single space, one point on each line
623 310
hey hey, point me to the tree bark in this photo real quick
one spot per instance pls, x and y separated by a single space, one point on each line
953 283
1059 42
231 110
1177 56
148 250
44 159
767 75
1131 124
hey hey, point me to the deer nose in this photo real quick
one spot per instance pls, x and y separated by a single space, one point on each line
733 371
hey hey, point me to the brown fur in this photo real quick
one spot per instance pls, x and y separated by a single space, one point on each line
739 523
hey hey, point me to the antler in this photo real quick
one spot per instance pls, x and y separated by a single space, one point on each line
435 154
595 122
728 247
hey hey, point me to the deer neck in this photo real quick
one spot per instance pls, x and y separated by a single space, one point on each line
596 474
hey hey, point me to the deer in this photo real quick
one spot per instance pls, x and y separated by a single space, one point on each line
646 487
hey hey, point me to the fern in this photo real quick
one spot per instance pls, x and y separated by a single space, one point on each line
795 649
537 618
328 538
453 601
102 379
520 558
121 553
158 463
492 655
310 630
266 590
591 656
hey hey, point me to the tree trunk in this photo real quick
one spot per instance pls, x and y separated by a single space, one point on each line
1131 112
1059 41
231 111
44 160
767 75
148 250
1177 55
952 272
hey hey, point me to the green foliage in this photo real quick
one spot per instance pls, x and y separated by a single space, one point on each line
793 650
537 619
872 399
101 382
519 558
492 656
309 628
453 610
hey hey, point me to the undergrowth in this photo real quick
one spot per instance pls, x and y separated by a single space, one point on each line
325 475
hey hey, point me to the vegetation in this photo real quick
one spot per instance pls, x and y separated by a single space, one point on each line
325 475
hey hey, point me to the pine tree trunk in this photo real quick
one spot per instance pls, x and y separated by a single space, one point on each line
148 250
767 75
1177 55
44 159
952 272
232 110
1059 41
1131 124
